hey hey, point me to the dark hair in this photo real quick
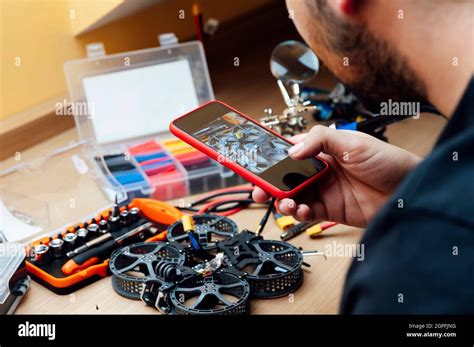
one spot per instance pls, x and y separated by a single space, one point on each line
342 36
385 71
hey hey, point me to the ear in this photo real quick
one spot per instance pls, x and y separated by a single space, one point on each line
346 7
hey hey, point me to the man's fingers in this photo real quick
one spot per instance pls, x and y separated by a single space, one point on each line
314 211
297 138
303 213
259 195
320 139
287 206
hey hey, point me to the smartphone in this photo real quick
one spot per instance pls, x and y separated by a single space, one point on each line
251 150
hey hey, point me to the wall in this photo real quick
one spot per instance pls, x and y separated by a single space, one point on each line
84 13
141 30
40 32
36 40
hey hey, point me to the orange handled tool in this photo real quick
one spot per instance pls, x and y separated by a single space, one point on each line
157 211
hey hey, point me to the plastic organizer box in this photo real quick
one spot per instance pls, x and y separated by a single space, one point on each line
124 103
165 170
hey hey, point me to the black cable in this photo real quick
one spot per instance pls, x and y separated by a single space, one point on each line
203 200
235 204
190 209
271 206
251 191
217 208
297 229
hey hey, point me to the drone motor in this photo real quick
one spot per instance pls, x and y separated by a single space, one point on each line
133 266
272 268
209 229
220 293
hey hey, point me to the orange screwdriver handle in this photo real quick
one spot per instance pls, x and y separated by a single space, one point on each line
71 267
157 211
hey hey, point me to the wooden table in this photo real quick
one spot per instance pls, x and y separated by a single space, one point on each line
322 287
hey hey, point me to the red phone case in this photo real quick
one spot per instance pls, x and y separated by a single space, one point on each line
248 175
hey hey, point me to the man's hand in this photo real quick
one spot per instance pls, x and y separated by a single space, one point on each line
364 173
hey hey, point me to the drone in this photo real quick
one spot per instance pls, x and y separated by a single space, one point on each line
221 275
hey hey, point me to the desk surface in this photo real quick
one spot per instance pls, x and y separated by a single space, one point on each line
322 287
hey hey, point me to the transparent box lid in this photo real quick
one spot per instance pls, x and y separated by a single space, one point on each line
11 256
55 189
129 96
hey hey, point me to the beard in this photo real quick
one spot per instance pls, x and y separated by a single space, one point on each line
378 72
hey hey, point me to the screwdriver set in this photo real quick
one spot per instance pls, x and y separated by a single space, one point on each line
78 255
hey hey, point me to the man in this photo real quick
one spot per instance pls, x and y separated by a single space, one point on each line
419 242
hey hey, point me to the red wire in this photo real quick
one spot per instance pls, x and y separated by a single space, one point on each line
209 205
275 204
231 212
327 225
224 190
214 202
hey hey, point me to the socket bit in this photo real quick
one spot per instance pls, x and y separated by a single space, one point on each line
113 223
134 214
41 254
70 241
57 247
103 226
82 235
125 217
93 229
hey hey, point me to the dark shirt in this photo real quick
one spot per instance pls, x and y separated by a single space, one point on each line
419 251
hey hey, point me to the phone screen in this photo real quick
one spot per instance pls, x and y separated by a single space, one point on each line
248 144
243 142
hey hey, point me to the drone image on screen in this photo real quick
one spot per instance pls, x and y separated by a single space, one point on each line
243 142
